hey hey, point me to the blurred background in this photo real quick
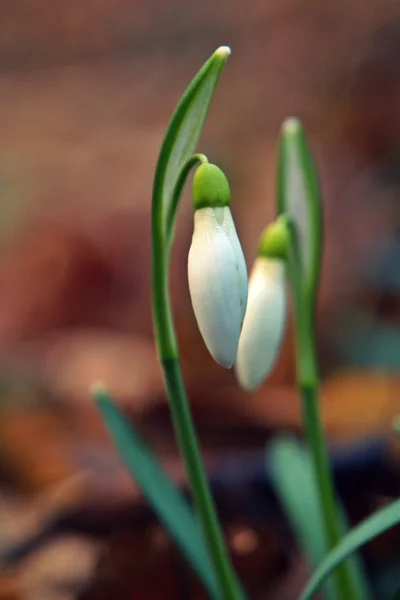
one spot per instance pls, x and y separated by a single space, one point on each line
86 92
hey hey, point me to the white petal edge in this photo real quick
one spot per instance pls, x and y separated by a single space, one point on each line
264 323
214 284
230 229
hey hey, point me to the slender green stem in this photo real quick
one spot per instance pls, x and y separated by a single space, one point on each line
187 440
308 387
316 440
311 416
182 420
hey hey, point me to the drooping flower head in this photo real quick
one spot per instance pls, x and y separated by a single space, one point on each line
265 317
216 266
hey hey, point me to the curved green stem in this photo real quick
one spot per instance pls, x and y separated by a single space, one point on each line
176 194
181 416
316 440
308 385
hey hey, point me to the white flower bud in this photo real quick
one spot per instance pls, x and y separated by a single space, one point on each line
263 324
217 282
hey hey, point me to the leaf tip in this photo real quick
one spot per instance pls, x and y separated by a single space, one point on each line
223 52
99 391
291 127
396 424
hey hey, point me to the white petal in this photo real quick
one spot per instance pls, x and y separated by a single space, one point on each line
215 283
230 229
263 324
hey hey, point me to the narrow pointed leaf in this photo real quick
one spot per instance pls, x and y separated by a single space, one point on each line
370 528
299 197
184 131
166 501
293 476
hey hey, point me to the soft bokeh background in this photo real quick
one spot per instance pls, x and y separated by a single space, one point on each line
86 92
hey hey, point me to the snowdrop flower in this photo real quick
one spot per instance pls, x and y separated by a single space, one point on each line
216 266
264 322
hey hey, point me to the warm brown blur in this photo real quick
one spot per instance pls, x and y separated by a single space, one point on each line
86 92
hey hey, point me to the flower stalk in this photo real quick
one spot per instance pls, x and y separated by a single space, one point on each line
174 164
181 415
299 198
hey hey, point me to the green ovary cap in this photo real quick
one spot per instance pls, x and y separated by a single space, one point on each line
210 187
274 242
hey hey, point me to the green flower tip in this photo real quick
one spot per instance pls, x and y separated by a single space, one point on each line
274 241
210 187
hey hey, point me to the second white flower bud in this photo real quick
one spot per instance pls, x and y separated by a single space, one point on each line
264 323
265 318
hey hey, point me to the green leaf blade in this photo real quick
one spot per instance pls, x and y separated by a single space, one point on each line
184 131
299 197
168 504
370 528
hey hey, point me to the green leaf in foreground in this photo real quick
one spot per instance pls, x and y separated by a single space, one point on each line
184 131
293 475
370 528
166 501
